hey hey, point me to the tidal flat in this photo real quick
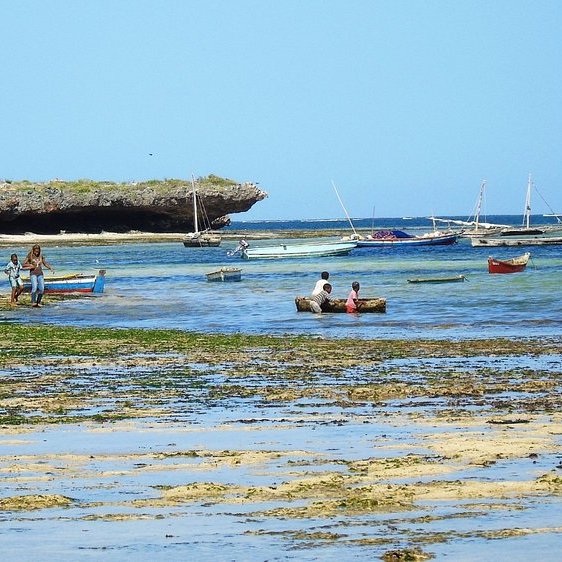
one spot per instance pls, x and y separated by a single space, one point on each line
162 445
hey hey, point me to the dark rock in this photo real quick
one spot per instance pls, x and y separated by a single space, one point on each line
150 206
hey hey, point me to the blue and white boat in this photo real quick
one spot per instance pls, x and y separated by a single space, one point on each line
73 283
309 250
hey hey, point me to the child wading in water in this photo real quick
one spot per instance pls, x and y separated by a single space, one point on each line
352 304
12 270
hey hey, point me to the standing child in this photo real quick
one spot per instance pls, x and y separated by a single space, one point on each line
352 304
12 270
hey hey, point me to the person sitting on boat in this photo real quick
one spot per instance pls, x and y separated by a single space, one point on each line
12 270
35 261
319 287
319 302
352 304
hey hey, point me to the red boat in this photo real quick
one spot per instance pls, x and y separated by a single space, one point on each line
508 266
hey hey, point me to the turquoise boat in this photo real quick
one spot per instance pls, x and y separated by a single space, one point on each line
309 250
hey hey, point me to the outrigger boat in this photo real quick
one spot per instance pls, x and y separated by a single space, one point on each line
455 279
338 305
225 274
309 250
72 283
512 265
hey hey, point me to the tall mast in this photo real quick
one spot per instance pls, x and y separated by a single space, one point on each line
196 225
344 209
479 203
527 212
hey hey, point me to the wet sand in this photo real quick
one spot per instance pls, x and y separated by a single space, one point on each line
162 445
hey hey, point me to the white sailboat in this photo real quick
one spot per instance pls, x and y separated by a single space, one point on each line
197 238
477 228
525 229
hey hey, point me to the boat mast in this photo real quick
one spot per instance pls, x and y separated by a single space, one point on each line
344 209
479 204
527 212
195 224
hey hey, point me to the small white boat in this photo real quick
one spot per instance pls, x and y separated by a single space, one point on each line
308 250
225 274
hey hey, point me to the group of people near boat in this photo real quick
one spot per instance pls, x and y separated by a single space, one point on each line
34 262
320 297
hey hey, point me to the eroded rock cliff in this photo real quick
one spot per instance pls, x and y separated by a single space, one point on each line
152 206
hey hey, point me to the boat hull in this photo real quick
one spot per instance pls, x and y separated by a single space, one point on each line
443 240
299 250
455 279
69 284
202 241
225 274
338 305
513 265
499 242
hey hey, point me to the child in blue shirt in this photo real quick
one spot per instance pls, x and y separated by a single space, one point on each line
12 270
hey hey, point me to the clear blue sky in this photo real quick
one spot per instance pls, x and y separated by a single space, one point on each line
405 105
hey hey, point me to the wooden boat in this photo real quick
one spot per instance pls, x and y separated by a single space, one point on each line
201 240
338 305
508 266
473 226
225 274
508 241
73 283
454 279
309 250
197 238
385 238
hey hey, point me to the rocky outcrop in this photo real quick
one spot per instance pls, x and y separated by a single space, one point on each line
152 206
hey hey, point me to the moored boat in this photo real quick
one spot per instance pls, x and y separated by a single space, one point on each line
201 240
338 305
453 279
197 238
385 238
512 265
72 283
225 274
473 226
309 250
508 241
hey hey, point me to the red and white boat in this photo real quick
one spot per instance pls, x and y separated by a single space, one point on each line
508 266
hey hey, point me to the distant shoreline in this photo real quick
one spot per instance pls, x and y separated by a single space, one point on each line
70 238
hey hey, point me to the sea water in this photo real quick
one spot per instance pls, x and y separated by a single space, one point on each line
163 285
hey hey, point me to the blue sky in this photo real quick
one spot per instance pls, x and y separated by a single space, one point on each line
405 105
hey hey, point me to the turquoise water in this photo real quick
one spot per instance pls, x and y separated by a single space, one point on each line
163 285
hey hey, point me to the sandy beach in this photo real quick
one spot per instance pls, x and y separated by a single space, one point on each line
75 238
296 447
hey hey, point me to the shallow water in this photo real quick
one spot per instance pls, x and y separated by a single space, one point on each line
163 285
